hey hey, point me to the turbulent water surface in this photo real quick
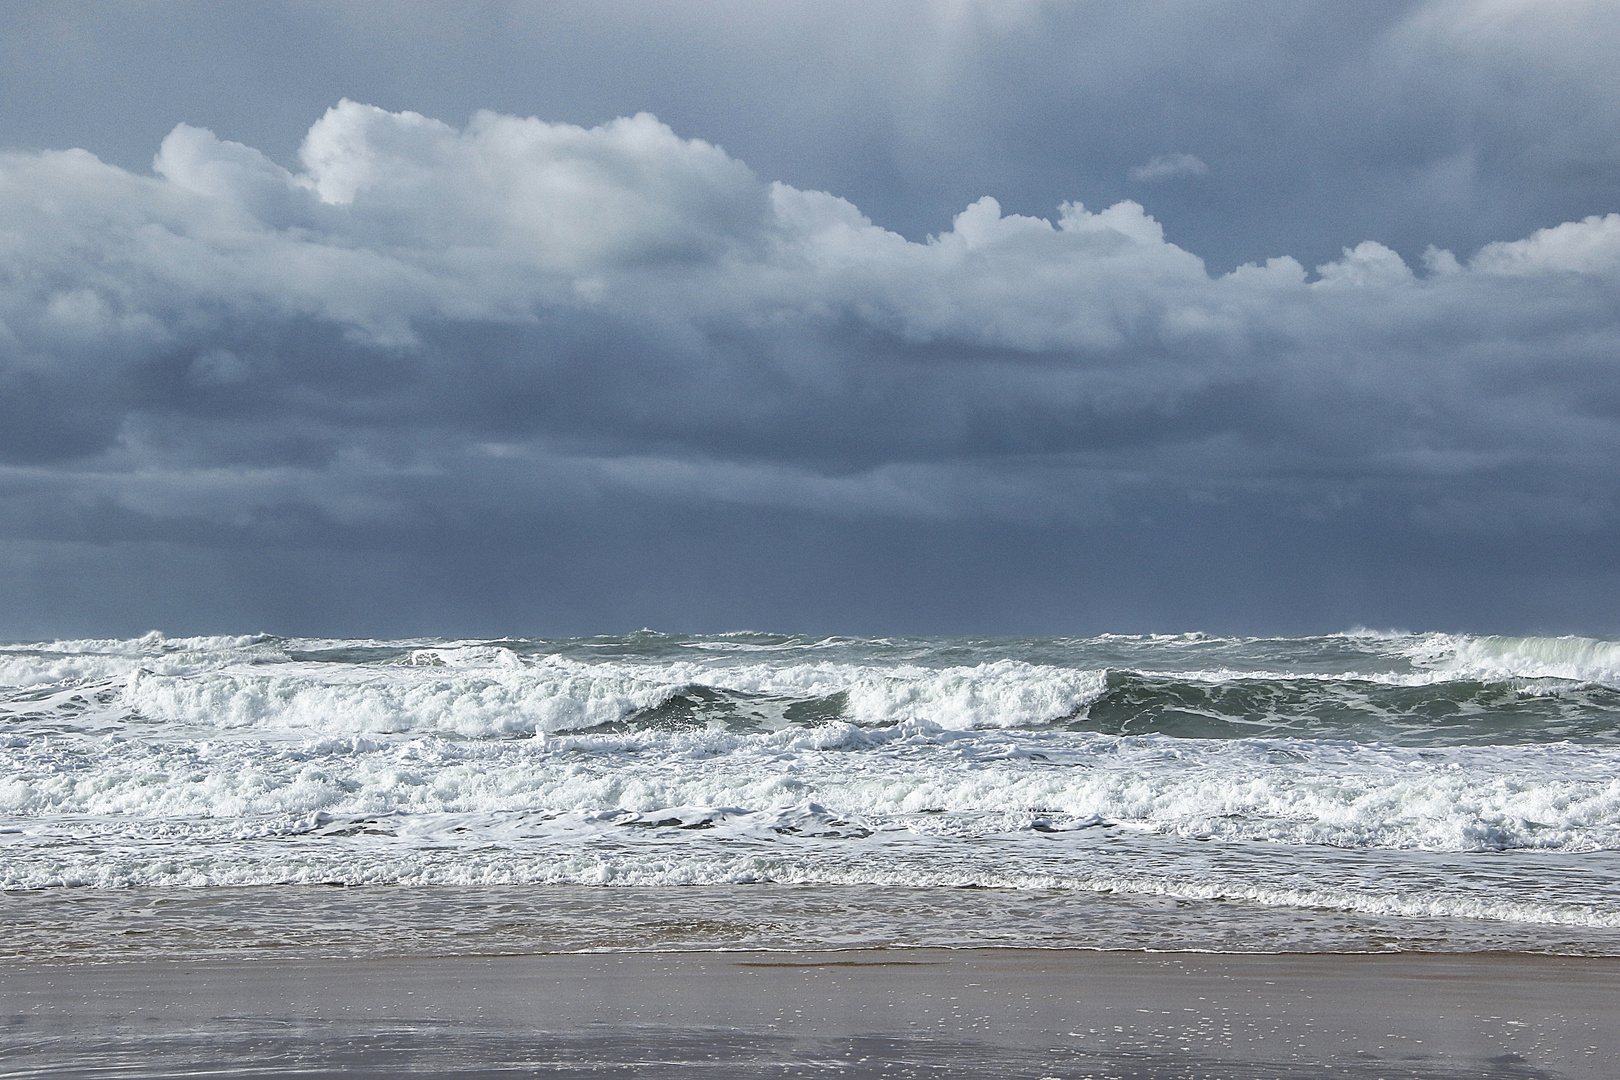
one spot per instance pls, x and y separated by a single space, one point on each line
1351 791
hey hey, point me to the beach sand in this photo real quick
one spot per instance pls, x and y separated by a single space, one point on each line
856 1013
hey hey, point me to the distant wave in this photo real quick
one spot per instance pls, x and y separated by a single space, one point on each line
1410 689
1578 659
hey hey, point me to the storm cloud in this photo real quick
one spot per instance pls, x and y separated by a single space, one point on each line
516 375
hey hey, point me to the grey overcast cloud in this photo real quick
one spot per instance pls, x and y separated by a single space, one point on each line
949 318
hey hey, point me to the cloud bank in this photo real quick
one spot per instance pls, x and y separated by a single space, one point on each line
429 330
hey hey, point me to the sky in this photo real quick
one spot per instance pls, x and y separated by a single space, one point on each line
866 318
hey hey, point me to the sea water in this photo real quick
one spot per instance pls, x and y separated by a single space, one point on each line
1351 792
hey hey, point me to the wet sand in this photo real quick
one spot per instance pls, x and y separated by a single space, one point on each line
860 1013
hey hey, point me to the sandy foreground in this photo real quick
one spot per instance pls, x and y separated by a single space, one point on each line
857 1013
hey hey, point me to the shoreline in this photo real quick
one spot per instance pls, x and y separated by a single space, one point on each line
385 920
896 1012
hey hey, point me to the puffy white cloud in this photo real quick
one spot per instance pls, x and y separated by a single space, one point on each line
1587 247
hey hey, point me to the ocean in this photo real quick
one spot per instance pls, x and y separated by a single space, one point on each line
1351 793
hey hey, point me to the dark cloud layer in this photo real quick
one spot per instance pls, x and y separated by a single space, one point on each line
512 374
